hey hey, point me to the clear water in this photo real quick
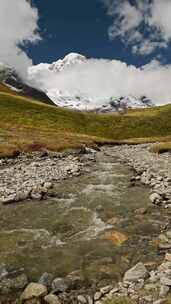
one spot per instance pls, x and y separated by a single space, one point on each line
71 232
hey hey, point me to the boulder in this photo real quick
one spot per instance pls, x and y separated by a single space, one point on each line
34 290
46 279
136 273
59 285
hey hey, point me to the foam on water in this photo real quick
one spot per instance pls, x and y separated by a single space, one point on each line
97 226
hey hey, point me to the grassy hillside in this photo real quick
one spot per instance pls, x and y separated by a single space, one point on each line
5 89
29 125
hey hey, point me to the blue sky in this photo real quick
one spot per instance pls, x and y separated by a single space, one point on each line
135 33
82 26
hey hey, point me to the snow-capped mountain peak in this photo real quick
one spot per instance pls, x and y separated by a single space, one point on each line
69 60
78 96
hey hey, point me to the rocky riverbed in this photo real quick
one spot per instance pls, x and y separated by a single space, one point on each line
114 213
32 176
151 169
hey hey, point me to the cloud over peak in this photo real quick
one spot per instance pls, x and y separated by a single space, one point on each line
145 25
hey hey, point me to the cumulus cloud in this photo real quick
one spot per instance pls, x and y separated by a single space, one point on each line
101 79
18 26
145 25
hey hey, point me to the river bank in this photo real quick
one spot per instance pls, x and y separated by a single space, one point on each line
32 176
109 211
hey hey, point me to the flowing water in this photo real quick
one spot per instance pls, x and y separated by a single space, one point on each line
91 226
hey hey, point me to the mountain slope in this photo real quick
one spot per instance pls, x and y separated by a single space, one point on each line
10 80
29 125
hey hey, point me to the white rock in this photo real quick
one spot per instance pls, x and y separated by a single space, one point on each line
137 272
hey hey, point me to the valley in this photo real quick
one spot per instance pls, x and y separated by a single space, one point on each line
85 152
80 192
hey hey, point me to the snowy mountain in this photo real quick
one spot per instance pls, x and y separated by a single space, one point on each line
11 79
45 77
43 83
69 60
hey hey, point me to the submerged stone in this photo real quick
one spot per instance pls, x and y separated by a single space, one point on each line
116 237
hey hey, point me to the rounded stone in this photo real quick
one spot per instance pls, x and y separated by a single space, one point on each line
34 290
51 299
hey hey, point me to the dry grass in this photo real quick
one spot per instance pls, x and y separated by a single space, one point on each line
27 125
162 147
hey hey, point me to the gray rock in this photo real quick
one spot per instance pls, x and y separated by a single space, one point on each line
47 185
168 234
59 285
165 281
89 300
3 271
106 289
81 299
75 280
46 279
98 295
36 195
114 290
164 290
137 272
164 246
148 299
8 199
155 197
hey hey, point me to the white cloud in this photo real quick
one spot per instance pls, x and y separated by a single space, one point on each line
18 26
101 79
146 25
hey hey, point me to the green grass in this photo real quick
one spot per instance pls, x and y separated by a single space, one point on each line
29 125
